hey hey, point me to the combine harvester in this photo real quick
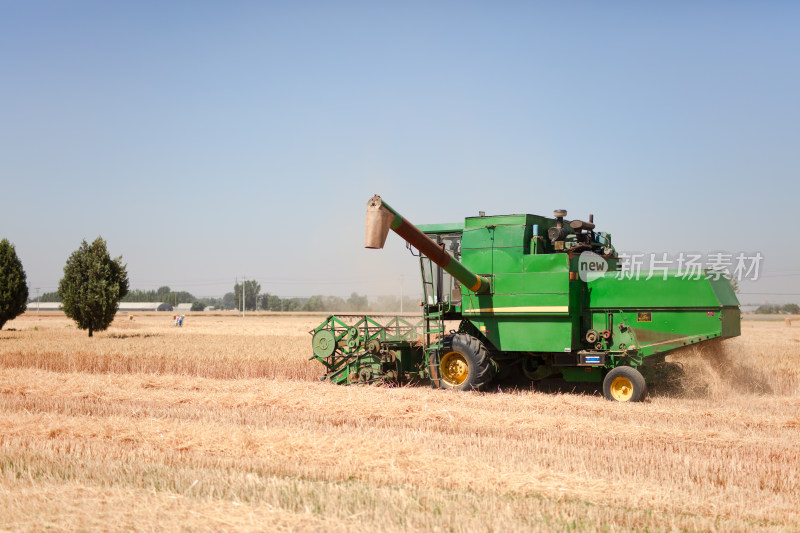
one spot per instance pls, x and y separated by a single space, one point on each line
533 295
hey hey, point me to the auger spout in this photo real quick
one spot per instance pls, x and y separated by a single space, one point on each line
381 217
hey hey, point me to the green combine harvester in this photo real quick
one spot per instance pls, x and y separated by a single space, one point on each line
525 295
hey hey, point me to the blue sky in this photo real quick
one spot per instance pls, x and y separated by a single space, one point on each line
206 140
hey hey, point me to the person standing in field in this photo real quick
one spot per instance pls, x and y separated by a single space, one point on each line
180 321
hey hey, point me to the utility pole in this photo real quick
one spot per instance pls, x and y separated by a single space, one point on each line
38 300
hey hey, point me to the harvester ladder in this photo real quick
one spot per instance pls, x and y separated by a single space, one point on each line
434 334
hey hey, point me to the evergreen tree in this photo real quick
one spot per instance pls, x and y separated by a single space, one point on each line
13 286
92 286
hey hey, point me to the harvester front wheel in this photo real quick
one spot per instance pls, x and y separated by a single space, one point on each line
624 384
464 363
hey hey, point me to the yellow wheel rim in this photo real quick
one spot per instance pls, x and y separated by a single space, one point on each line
622 389
455 368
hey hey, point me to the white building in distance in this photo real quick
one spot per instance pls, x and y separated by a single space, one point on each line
43 306
32 307
144 306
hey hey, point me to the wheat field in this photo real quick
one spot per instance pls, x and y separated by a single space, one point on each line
221 425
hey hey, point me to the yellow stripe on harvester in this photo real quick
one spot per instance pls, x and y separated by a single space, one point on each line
524 309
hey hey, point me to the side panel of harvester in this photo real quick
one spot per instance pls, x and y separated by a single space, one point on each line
533 306
656 315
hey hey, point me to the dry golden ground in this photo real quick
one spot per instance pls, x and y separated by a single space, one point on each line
221 425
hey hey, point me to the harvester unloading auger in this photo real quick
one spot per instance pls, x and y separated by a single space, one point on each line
533 295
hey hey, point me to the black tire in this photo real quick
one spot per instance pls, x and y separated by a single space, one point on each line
464 363
624 384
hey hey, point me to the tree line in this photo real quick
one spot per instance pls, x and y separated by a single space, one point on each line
271 302
785 309
257 301
161 295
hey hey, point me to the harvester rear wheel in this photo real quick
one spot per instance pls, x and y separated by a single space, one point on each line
464 363
624 384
